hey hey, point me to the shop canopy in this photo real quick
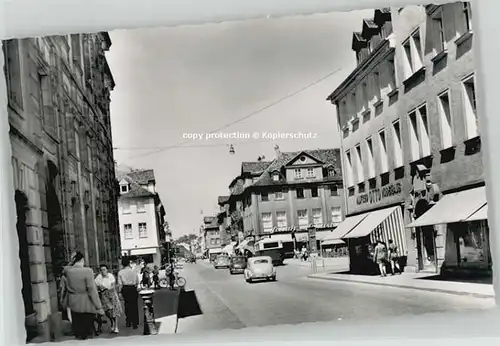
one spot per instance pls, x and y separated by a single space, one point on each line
371 222
214 250
455 207
481 214
332 242
346 226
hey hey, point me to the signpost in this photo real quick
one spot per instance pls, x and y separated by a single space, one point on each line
313 248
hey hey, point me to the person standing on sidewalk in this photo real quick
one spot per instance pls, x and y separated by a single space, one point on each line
106 285
83 298
129 286
394 257
380 257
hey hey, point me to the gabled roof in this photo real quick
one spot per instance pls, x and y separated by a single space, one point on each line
325 156
142 177
256 167
358 41
137 191
302 153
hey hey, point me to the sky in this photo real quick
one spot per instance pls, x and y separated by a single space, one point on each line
175 82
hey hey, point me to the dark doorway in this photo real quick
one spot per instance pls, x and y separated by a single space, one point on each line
426 240
22 208
55 223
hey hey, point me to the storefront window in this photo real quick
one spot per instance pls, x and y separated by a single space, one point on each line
472 243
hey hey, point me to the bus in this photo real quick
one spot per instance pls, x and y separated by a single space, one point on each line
276 249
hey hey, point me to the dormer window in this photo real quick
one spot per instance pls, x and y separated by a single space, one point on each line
331 172
124 188
276 177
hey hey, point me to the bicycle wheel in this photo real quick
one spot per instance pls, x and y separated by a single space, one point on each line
181 282
163 283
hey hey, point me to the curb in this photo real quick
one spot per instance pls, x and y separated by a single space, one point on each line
177 309
440 290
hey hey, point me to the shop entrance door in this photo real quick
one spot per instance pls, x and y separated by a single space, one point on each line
426 245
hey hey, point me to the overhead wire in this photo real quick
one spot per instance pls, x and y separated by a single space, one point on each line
252 114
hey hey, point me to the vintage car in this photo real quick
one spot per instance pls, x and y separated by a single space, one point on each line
260 268
237 265
222 261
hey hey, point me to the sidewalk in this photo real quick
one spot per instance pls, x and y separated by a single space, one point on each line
418 281
165 305
322 264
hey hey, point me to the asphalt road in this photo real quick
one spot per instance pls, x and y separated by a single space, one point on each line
228 302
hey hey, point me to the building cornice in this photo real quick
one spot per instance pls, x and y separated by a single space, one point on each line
381 52
431 9
14 131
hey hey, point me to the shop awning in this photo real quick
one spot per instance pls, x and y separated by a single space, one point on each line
346 226
455 207
481 214
370 223
215 250
332 242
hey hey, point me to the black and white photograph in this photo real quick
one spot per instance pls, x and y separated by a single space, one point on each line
274 171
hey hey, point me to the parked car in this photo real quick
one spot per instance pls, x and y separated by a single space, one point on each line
237 265
222 261
260 268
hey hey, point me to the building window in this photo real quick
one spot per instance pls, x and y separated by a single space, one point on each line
143 230
445 120
314 192
331 171
298 173
281 220
141 207
278 195
317 217
412 49
471 119
126 207
376 86
384 160
264 195
76 49
310 173
276 177
336 215
12 71
467 16
355 125
300 193
440 37
419 133
370 157
349 172
364 94
397 142
127 231
359 165
345 132
124 188
303 219
391 65
366 116
334 190
267 222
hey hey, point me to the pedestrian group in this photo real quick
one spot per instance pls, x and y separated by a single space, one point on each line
86 300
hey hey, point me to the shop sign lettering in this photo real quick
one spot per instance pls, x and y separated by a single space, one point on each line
376 195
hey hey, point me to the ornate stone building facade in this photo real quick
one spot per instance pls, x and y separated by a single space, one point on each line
66 194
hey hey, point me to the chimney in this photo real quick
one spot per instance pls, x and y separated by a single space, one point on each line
277 150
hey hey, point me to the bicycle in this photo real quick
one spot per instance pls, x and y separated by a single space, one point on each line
179 281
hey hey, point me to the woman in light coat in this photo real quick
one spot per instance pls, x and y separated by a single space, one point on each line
106 285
